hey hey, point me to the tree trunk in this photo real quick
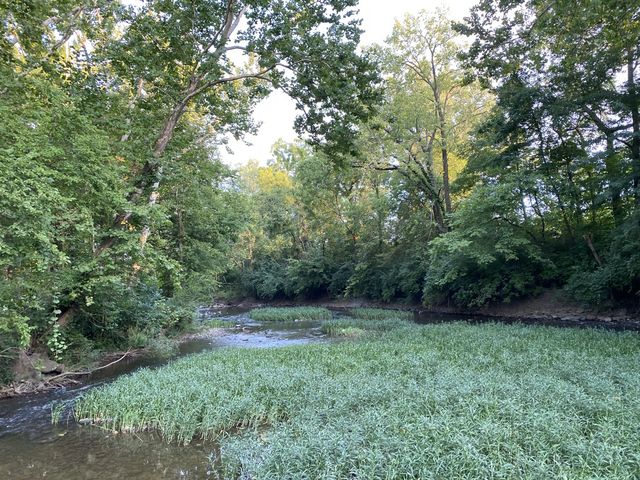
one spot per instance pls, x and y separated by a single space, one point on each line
635 119
613 172
438 216
589 239
445 158
151 172
151 175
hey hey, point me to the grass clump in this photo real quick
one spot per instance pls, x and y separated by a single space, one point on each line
354 327
216 323
379 314
437 401
290 314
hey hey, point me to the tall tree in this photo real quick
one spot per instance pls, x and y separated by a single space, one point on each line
429 110
424 49
564 134
549 48
184 54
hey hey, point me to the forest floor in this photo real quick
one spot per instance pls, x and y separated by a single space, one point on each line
448 400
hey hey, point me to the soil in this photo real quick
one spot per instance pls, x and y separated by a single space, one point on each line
30 377
549 308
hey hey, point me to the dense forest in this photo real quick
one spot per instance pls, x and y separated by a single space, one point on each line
460 163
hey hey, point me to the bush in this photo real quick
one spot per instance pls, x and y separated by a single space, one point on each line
268 280
486 258
618 279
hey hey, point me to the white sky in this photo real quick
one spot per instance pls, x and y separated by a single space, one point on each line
277 112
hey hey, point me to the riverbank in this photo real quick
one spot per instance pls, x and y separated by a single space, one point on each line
550 308
33 447
36 373
59 378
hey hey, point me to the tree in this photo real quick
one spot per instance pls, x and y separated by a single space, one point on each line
181 52
565 127
429 110
544 46
424 50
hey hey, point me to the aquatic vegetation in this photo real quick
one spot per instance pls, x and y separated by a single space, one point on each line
57 409
289 314
216 323
435 401
380 313
355 327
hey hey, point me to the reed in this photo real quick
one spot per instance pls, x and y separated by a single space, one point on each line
354 327
290 314
380 313
438 401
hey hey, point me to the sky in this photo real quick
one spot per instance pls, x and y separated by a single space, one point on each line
277 112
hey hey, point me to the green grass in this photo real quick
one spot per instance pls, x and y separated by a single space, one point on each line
216 323
430 402
379 313
290 314
354 327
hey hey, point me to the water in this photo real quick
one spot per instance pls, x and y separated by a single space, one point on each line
31 447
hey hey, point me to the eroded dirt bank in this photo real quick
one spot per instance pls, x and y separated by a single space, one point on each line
550 308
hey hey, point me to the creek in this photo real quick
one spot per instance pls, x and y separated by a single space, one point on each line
31 447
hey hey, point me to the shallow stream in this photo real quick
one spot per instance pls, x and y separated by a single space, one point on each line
31 447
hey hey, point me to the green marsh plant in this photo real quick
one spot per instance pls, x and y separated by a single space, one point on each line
290 314
436 401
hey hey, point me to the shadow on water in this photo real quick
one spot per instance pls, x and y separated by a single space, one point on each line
425 318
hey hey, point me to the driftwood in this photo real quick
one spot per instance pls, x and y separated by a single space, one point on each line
89 372
54 382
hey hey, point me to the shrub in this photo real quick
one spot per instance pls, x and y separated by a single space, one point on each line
618 279
486 258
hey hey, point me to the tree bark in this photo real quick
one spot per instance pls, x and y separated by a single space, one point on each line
613 172
635 120
589 239
445 157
